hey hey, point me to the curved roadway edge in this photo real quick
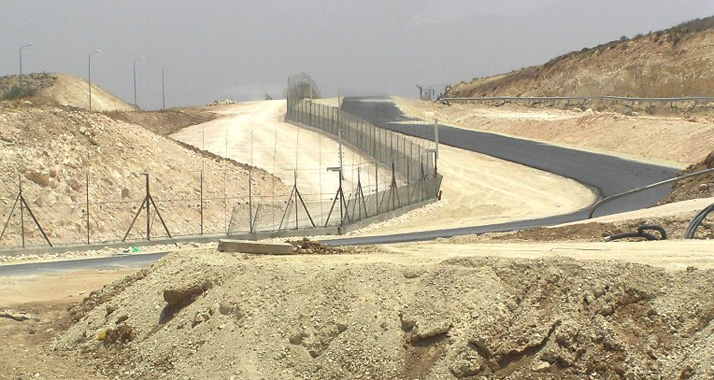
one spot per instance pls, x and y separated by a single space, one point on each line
97 263
607 175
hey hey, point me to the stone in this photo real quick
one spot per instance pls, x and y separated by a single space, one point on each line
243 246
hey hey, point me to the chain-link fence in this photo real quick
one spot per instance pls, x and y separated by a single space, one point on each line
139 207
52 209
412 163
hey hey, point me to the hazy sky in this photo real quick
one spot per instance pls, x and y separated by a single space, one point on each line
240 49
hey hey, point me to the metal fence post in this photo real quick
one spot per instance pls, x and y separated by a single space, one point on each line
201 201
87 184
22 212
148 211
250 199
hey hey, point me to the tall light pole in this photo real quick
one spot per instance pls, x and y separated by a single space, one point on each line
90 76
135 61
22 47
163 88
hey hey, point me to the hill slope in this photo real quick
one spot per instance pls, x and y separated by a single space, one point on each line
674 62
61 89
51 149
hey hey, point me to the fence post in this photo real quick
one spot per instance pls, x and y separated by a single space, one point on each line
436 149
201 201
376 186
250 199
87 183
22 212
297 226
148 211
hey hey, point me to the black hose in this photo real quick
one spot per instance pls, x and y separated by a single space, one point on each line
641 233
625 235
653 227
698 219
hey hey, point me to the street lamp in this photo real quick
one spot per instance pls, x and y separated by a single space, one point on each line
163 88
90 76
135 61
22 47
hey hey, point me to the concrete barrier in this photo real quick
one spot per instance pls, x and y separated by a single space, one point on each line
245 246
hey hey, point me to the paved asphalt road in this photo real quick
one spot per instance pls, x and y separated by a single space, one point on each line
111 262
605 174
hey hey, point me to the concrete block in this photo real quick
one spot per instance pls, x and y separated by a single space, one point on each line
244 246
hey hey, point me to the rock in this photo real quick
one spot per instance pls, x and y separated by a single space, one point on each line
541 367
184 295
15 315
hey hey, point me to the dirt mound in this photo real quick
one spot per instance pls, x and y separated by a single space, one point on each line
595 232
307 247
667 63
63 90
51 149
165 122
461 318
695 187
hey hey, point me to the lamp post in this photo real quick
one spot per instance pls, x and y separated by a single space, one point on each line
163 88
135 61
90 76
22 47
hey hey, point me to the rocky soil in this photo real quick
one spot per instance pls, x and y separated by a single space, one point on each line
695 187
674 227
205 314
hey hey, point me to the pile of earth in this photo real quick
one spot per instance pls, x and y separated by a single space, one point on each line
674 227
701 186
204 314
305 246
165 122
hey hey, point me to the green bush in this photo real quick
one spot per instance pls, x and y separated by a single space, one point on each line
17 92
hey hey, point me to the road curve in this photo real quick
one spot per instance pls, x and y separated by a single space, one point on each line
607 175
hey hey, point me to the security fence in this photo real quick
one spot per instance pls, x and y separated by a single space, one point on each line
387 172
410 158
91 209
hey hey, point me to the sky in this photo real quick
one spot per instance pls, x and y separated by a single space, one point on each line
240 50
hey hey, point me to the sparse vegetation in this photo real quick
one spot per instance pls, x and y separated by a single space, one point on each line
660 64
18 92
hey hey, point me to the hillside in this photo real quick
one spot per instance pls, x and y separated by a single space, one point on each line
62 90
669 63
51 149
